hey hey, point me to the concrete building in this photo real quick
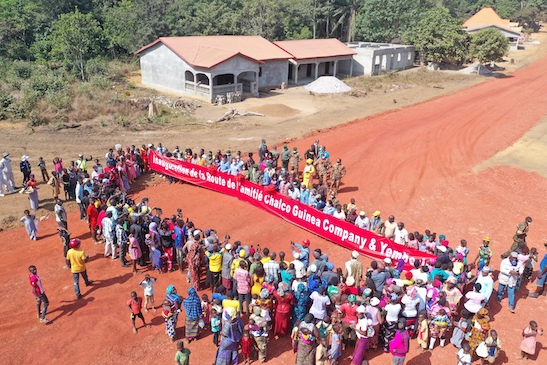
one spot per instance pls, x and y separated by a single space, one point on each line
312 58
374 58
213 65
488 18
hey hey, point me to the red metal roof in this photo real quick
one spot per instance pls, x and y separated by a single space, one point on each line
209 51
315 48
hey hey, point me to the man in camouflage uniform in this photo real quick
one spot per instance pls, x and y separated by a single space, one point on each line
285 157
338 172
295 159
519 237
322 166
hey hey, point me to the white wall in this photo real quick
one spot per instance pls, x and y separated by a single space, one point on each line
161 68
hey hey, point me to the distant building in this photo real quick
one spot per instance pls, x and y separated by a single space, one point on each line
488 18
213 65
312 58
374 58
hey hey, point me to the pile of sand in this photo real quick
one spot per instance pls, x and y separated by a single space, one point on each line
327 85
476 69
275 110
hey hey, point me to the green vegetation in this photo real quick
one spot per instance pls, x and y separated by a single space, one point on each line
59 58
488 45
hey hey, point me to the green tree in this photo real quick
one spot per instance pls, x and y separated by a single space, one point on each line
439 36
386 20
120 28
75 38
262 17
489 45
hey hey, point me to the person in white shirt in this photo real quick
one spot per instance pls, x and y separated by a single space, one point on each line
464 355
401 234
299 266
339 213
320 303
389 227
510 270
362 221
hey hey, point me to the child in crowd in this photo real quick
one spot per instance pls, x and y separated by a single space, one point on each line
135 307
463 249
216 325
464 355
148 285
246 347
294 336
182 356
423 331
321 352
528 344
529 266
335 351
157 261
205 309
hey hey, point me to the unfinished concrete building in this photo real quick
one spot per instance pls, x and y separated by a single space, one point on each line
375 58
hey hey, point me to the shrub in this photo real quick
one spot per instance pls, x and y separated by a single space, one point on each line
5 99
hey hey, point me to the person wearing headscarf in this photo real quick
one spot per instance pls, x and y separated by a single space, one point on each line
283 301
307 335
479 329
452 294
258 326
32 191
439 328
193 259
392 309
410 302
302 299
307 174
232 332
264 301
362 333
170 310
192 306
153 232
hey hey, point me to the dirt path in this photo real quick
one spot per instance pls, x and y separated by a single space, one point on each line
415 162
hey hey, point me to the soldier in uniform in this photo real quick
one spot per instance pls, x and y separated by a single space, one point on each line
519 237
322 165
285 157
338 172
295 159
274 153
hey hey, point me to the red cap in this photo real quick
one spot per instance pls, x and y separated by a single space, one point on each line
306 242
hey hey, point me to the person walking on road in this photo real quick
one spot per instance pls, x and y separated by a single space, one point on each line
39 294
76 259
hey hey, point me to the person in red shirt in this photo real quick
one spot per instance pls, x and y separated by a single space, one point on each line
135 307
246 346
349 315
92 218
39 294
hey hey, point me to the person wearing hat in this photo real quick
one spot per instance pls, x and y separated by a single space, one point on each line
353 267
348 310
25 168
323 165
303 249
295 160
285 157
337 173
393 310
308 173
227 259
81 163
376 222
375 314
76 259
6 173
487 283
510 270
484 255
362 333
362 221
400 345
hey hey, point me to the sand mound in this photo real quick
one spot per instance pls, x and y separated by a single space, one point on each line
327 85
275 110
476 69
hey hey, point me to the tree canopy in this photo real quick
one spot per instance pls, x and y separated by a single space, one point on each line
488 45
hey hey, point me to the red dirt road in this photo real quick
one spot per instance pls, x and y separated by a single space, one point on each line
414 163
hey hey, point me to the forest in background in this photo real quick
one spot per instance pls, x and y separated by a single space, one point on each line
55 54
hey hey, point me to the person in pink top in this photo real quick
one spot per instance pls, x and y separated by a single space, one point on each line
349 313
400 344
243 284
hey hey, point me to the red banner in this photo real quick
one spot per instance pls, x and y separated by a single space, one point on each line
323 225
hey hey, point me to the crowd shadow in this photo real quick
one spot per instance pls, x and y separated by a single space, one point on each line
70 307
97 284
348 189
423 358
502 358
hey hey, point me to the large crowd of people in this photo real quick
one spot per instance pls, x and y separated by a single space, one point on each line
252 296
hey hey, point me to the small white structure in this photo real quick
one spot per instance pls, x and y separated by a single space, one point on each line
374 58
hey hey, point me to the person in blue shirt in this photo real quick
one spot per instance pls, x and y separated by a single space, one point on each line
304 250
304 195
329 209
224 164
179 242
542 277
323 152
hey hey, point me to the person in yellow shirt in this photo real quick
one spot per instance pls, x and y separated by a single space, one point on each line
230 302
215 266
76 259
